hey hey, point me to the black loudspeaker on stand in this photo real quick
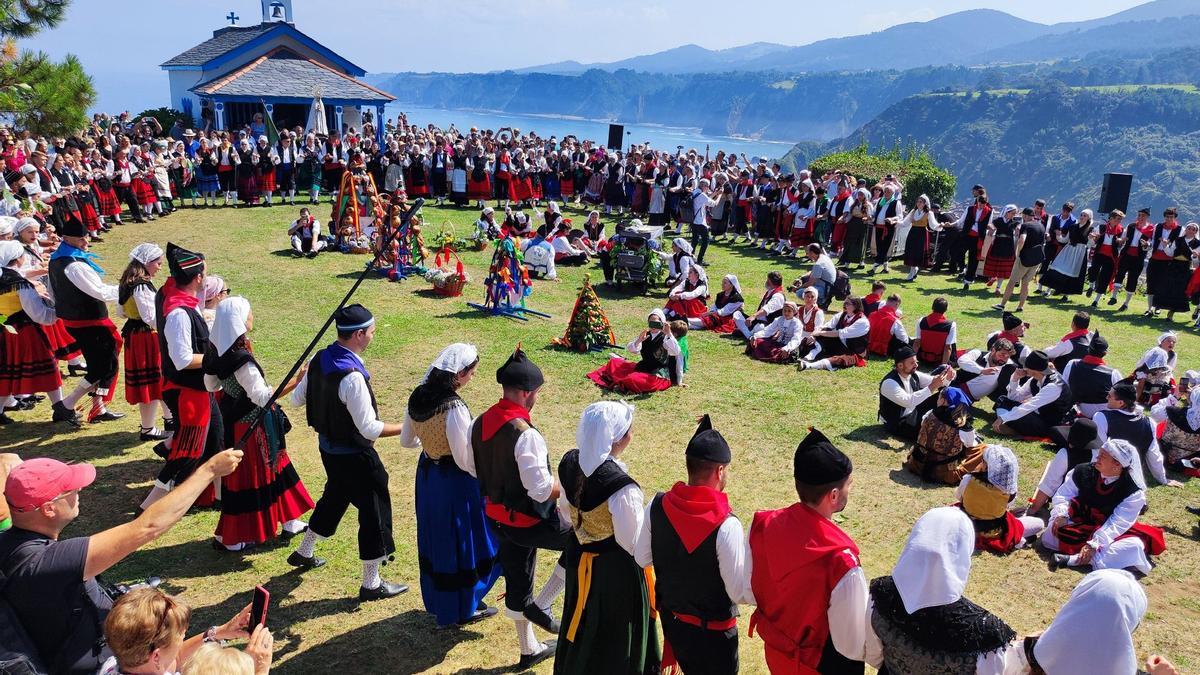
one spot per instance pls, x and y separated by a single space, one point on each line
616 136
1114 194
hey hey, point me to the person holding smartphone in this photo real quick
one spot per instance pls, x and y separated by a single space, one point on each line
660 367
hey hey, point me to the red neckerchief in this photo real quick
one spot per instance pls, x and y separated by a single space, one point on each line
500 414
853 317
1093 360
694 512
1167 227
871 299
173 298
842 195
935 319
768 294
1074 334
1114 231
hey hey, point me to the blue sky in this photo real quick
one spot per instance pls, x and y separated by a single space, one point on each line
121 42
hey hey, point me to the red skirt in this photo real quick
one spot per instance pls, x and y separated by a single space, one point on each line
621 374
143 192
417 190
1079 534
27 363
479 189
802 232
997 268
717 323
143 372
767 349
256 500
1006 541
687 308
109 204
61 342
521 189
567 187
783 224
266 181
87 213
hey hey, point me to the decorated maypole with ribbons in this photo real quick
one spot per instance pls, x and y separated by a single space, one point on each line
507 284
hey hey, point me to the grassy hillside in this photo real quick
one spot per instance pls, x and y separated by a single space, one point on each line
762 409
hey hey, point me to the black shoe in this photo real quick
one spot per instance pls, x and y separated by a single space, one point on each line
76 371
303 562
64 414
107 416
484 612
1087 293
38 398
1058 561
541 619
218 546
386 589
1112 301
530 660
152 435
161 449
287 536
310 254
5 419
1194 510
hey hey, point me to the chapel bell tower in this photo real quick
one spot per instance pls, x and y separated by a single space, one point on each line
277 11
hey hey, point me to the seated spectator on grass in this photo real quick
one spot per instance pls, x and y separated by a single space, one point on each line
841 342
659 368
986 496
305 233
719 319
686 299
874 300
947 446
823 274
769 308
567 249
1037 403
935 338
1090 378
43 496
1093 632
778 341
905 395
985 373
887 332
1082 442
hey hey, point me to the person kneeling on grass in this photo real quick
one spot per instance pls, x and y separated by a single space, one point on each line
660 367
841 342
778 342
1093 517
305 234
1038 402
986 496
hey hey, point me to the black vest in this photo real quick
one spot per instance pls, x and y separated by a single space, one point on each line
326 413
687 583
1055 411
1079 349
1095 504
70 303
889 411
586 493
496 468
1137 429
192 378
655 358
1090 382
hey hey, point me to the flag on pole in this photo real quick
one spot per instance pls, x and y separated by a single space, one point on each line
272 132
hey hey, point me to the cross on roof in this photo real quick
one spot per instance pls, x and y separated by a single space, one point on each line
233 18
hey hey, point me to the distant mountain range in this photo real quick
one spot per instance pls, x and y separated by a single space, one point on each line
972 37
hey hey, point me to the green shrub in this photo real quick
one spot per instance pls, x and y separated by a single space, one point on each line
913 166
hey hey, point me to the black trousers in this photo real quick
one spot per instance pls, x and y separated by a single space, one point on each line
518 556
883 243
1101 273
359 479
101 351
1032 425
125 194
1129 271
971 244
700 237
701 651
909 426
606 264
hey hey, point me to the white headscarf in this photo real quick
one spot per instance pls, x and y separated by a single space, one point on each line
146 253
8 225
25 224
933 567
1126 455
701 275
453 359
230 322
1193 412
601 425
733 281
1010 208
1093 632
1002 468
553 207
659 314
683 245
213 285
9 251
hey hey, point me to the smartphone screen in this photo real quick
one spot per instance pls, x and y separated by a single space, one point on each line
258 608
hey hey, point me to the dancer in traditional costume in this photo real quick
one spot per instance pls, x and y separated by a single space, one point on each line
659 368
1131 255
1093 632
1104 256
686 299
1082 443
728 302
1094 515
305 235
1068 271
340 406
608 624
769 308
1090 378
906 395
27 362
265 175
805 576
778 341
183 339
919 620
886 333
935 339
1000 248
696 546
1123 419
521 503
1073 345
1012 330
841 342
986 496
947 446
143 369
920 223
1170 263
1036 405
81 301
264 493
456 547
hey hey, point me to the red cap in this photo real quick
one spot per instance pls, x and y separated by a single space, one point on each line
37 481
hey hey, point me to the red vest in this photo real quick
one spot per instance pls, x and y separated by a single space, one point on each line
799 557
880 335
935 330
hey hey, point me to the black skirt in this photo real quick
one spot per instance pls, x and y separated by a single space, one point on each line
916 246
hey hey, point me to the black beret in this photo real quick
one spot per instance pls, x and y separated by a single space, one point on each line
73 227
1098 346
903 353
1037 361
818 462
1083 435
708 444
1125 391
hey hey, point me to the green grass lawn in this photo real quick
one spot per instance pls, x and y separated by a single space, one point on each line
762 409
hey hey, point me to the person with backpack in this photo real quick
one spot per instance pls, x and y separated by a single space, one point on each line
824 276
67 634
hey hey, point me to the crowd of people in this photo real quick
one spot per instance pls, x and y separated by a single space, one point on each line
487 496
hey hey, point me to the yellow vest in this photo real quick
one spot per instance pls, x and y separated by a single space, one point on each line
10 303
432 433
596 525
131 309
984 502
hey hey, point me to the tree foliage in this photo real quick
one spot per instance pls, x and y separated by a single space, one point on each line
26 18
44 96
167 116
913 165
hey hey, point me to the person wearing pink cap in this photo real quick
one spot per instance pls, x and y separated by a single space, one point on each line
50 583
